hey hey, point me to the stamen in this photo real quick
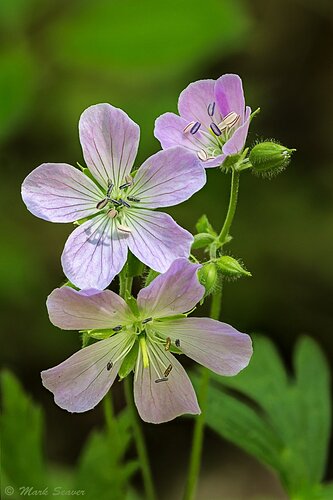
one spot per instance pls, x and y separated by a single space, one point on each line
124 229
115 202
131 198
129 179
109 366
167 371
101 204
231 119
167 344
177 343
126 185
195 128
214 128
146 320
123 202
111 186
202 155
188 127
117 328
163 379
211 108
112 213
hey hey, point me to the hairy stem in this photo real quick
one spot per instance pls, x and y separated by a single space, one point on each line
125 289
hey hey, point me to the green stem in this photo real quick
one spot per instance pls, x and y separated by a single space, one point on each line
215 310
125 289
140 443
199 426
232 207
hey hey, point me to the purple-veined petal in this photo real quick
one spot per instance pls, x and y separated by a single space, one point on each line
72 310
81 381
194 101
229 95
174 292
237 141
167 178
58 192
94 253
164 401
109 140
169 130
211 343
156 239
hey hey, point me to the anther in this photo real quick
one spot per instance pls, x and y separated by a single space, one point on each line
131 198
214 128
202 155
109 366
115 202
128 179
124 229
117 328
111 186
112 213
167 371
101 204
126 185
167 344
231 119
211 108
195 128
146 320
158 380
188 127
123 202
177 343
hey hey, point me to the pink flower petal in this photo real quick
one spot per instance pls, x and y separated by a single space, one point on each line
229 95
80 382
164 401
194 101
169 130
156 239
109 140
94 253
167 178
58 192
237 141
174 292
211 343
72 310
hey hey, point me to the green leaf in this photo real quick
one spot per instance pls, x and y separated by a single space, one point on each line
202 240
293 415
21 430
204 226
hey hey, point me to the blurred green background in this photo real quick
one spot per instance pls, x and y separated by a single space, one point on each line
57 58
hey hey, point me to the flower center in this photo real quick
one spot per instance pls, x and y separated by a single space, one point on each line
210 140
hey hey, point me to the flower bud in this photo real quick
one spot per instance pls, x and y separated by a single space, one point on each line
269 158
202 240
231 267
208 277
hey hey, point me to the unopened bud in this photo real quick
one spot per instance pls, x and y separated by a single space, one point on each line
270 158
208 277
231 267
202 240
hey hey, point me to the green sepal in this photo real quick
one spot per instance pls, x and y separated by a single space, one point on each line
202 240
81 221
128 364
133 305
151 276
254 114
174 317
204 226
100 334
231 161
135 267
87 172
70 285
175 350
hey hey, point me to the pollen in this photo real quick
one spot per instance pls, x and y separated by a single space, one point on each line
124 229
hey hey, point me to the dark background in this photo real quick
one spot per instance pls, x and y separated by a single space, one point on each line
57 58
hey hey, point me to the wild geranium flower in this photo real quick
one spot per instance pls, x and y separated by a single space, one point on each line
113 208
162 389
213 120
